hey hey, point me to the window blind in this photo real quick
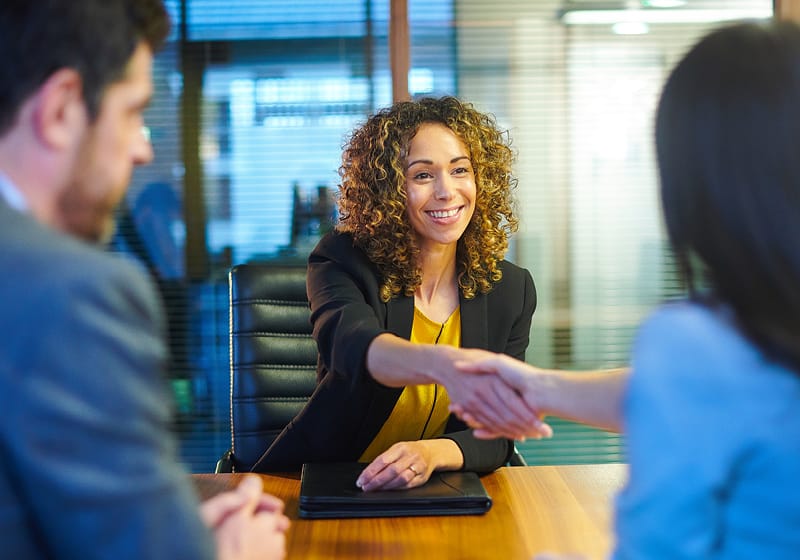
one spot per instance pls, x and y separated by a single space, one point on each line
254 98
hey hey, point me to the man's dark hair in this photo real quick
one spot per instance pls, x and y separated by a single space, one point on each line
94 37
727 137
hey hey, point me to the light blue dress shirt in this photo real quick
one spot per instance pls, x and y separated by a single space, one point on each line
11 194
713 435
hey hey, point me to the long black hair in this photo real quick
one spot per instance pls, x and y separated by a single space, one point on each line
728 146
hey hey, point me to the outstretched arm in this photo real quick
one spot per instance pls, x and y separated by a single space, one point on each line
490 399
590 397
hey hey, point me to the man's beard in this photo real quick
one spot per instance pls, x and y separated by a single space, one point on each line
85 217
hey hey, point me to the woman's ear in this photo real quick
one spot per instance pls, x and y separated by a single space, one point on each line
59 113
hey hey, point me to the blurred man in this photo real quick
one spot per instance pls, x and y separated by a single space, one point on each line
89 465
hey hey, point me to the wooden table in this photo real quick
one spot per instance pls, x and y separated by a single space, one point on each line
535 509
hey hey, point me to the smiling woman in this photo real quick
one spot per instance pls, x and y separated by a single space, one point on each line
374 191
413 275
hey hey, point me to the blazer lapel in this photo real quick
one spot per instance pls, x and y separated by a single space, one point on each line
400 316
474 322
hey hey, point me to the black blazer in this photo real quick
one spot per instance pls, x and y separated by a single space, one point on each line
349 407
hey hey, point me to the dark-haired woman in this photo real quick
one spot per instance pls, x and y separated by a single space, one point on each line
711 407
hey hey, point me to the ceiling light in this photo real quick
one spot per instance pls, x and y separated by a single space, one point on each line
610 17
663 3
630 28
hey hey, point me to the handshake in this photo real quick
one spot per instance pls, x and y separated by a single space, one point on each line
499 396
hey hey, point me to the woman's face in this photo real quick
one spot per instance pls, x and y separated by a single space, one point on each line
440 186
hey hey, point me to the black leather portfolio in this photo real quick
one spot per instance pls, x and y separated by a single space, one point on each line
329 490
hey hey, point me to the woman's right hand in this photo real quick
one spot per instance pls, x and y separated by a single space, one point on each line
486 400
490 400
591 397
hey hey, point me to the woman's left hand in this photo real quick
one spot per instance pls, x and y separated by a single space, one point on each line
406 464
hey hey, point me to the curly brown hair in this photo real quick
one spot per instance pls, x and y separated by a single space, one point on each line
372 195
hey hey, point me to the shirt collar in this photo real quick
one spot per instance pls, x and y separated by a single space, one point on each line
10 193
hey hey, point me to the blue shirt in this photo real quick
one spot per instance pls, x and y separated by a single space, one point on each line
713 435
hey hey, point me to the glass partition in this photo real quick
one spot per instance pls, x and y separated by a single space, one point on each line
254 99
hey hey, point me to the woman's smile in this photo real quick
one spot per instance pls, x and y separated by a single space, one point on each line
445 216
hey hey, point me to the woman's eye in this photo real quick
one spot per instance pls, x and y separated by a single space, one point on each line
460 170
422 175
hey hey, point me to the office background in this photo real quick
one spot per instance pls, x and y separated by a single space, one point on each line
254 99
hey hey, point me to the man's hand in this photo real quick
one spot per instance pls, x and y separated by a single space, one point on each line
247 523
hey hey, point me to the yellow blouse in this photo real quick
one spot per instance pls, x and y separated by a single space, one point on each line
421 411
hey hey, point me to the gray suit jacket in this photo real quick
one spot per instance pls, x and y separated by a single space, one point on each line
89 466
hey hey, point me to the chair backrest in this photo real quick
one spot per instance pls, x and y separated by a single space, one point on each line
273 357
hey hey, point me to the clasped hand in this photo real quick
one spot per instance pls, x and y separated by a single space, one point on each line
495 396
247 523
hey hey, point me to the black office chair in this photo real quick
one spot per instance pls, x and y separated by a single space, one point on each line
273 358
517 460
